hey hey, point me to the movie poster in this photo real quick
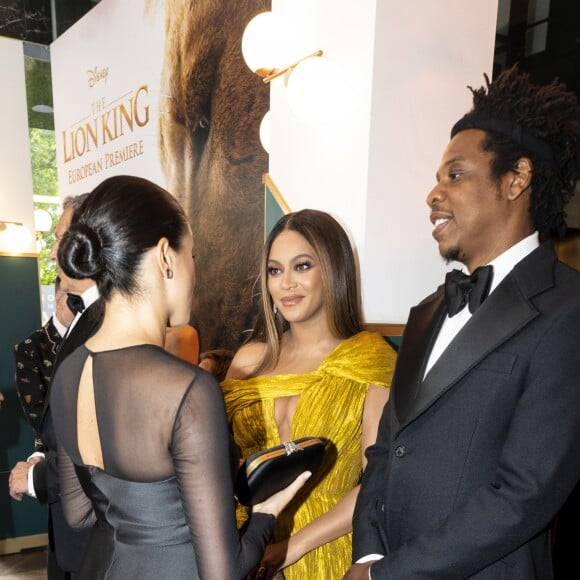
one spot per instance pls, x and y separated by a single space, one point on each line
159 89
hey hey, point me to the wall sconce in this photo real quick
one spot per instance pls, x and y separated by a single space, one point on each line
14 237
266 45
314 83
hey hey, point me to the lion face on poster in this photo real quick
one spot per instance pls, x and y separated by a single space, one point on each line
210 111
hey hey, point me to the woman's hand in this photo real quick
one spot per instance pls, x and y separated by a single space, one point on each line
275 554
277 502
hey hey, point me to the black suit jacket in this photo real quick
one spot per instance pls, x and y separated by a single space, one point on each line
69 544
473 461
34 359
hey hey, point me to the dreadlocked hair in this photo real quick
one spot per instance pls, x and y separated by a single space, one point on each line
550 113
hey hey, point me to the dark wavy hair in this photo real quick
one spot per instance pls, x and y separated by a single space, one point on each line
339 281
116 224
549 113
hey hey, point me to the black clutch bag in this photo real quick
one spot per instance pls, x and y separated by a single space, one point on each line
267 472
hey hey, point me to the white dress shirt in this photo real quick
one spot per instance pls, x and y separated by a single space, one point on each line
60 327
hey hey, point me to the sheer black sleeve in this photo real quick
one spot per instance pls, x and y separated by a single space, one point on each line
200 454
77 507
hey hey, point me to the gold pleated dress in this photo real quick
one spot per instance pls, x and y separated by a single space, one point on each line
330 407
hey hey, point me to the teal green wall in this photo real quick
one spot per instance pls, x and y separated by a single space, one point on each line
19 316
273 211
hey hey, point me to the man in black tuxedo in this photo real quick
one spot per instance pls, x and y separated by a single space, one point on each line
477 447
38 476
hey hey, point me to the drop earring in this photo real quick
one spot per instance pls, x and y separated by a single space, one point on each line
169 273
275 309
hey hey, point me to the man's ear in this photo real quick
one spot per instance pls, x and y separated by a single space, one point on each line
521 177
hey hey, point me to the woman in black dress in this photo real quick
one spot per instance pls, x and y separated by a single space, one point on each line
143 439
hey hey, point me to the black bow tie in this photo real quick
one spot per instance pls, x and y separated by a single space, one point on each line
461 289
75 303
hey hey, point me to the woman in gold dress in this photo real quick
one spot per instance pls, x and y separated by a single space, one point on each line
310 369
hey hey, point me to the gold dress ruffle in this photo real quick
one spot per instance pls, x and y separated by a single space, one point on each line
330 407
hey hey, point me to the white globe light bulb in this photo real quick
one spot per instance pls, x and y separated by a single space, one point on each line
265 132
42 220
264 42
15 238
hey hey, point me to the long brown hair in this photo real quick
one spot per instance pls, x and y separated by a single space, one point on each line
339 281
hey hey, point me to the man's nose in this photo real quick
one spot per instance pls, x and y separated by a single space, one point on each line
434 196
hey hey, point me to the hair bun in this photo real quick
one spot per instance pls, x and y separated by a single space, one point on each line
80 252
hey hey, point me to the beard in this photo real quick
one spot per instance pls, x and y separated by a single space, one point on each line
453 255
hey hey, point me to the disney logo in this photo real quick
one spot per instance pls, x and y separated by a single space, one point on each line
96 75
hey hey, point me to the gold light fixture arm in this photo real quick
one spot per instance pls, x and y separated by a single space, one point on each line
273 73
3 224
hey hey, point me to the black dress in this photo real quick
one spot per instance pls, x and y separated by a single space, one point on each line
163 504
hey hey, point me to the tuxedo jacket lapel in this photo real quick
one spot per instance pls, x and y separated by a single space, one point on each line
86 326
499 318
505 312
421 330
